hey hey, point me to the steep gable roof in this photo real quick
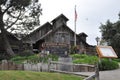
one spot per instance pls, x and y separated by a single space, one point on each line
44 25
64 17
83 34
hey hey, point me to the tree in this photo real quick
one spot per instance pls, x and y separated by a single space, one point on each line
111 34
18 15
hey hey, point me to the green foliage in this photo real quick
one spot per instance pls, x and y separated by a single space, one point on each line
78 56
73 50
33 58
85 59
18 59
21 59
117 60
53 57
107 64
111 34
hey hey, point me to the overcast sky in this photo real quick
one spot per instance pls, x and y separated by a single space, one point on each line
90 14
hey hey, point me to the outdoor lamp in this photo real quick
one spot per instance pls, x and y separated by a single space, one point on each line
97 39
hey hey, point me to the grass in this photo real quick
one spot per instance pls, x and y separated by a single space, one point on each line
29 75
84 59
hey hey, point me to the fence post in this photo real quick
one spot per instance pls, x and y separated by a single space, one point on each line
97 71
49 63
4 65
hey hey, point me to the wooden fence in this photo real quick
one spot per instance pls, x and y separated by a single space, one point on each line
63 66
31 66
56 66
70 68
8 65
42 67
52 65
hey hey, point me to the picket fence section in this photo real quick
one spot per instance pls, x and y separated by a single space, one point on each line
51 66
8 65
42 67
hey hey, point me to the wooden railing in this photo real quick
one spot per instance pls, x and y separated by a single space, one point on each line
54 66
87 68
72 67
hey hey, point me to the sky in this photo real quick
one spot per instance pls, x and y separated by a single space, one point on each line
90 14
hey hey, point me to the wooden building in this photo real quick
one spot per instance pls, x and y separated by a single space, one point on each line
56 37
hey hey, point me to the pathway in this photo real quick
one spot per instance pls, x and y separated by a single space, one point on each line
104 75
110 75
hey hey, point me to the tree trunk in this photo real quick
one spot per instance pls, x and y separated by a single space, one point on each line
7 45
5 40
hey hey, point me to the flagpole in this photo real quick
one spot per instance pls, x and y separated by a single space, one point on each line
75 27
75 33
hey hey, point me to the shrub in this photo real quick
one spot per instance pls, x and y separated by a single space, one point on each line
84 59
78 56
118 59
21 59
53 57
33 58
107 64
18 59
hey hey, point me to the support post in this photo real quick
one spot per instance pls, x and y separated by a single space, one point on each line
97 71
49 63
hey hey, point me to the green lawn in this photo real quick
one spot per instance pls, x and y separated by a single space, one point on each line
29 75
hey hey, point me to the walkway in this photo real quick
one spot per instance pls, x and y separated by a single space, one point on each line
104 75
110 75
